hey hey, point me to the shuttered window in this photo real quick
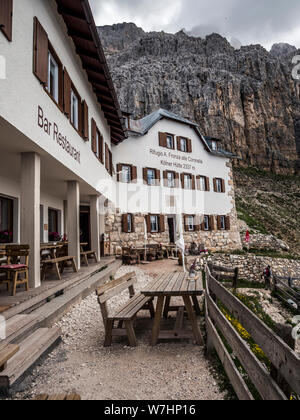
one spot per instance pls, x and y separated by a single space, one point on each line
41 49
151 177
167 140
188 181
128 223
85 121
219 185
155 223
126 173
6 18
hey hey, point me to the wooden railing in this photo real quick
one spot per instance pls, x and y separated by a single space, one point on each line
285 362
284 292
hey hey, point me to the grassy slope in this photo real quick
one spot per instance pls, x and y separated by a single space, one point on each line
270 203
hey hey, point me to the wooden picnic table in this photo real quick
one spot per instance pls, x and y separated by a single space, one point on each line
170 285
52 248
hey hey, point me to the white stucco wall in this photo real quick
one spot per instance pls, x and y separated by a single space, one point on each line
145 152
21 93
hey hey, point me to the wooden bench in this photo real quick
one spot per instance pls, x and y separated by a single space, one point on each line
125 314
59 264
7 353
85 254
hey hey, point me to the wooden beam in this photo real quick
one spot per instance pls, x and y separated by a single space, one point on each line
74 33
71 13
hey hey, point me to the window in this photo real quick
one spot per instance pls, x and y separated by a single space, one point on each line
129 223
154 224
151 177
214 146
222 223
170 142
74 110
97 141
219 185
188 182
125 175
171 179
52 223
190 222
6 220
53 77
202 183
206 224
183 145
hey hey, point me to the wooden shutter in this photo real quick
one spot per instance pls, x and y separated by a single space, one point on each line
176 180
80 115
162 139
119 169
215 185
161 220
211 223
157 176
207 184
106 157
193 182
197 223
186 226
85 121
227 222
182 180
67 94
165 177
94 136
202 224
223 186
40 53
219 222
178 143
148 222
189 146
134 174
6 18
132 223
145 175
125 223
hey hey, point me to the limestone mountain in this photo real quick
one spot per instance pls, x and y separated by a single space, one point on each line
246 97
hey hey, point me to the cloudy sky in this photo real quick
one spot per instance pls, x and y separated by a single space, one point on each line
248 21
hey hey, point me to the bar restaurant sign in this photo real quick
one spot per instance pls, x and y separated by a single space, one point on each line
53 131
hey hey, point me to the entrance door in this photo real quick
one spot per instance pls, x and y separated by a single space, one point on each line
171 224
85 226
6 219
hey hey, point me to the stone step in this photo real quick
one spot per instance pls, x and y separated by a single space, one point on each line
31 350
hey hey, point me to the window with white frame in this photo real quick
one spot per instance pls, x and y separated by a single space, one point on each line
214 145
171 179
151 175
183 145
206 223
222 222
53 77
74 109
219 185
190 221
170 142
126 175
188 182
154 224
202 183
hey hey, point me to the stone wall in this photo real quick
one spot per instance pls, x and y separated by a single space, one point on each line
213 240
251 267
260 241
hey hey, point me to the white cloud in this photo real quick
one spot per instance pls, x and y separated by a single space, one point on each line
249 21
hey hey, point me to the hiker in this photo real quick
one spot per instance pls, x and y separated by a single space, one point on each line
267 275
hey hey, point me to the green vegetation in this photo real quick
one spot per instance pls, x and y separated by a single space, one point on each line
269 204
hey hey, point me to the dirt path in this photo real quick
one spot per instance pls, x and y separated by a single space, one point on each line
81 364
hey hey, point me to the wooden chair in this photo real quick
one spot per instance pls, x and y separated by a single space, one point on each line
125 314
15 268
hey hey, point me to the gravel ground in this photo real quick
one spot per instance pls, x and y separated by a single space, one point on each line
81 364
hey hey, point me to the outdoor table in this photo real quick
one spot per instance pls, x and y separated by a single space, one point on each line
51 248
82 245
170 285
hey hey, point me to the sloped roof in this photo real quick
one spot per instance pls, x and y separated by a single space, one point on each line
142 127
82 29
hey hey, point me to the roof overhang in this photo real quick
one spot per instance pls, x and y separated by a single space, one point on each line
81 26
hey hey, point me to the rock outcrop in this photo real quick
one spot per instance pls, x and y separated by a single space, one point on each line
246 97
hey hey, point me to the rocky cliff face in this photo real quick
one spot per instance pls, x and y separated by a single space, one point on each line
245 97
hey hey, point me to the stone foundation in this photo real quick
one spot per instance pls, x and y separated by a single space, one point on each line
227 240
